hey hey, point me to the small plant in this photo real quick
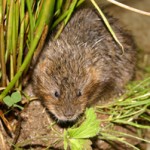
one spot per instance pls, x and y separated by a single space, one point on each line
11 101
132 109
78 137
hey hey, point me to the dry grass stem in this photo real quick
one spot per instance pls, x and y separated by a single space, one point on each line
129 8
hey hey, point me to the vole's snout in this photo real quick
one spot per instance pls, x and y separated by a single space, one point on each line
69 114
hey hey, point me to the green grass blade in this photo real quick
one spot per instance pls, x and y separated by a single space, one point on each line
32 21
21 37
46 16
63 16
107 24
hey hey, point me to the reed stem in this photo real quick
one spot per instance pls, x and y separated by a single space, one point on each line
46 17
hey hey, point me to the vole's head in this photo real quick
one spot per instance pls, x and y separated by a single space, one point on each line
65 90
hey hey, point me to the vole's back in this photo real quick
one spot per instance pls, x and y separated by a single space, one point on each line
84 62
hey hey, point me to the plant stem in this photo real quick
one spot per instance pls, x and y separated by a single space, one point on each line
46 16
2 52
4 6
2 46
32 21
107 24
21 37
64 15
129 8
1 11
10 38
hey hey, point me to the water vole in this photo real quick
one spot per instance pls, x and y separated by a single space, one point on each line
83 66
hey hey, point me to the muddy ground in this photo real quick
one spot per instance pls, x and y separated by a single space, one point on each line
35 118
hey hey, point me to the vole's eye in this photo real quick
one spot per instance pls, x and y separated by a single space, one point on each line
57 94
79 93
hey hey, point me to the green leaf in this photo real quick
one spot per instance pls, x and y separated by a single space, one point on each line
76 144
13 99
16 96
65 140
77 138
8 101
20 107
80 144
89 128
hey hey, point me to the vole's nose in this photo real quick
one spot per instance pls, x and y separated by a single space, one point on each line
68 113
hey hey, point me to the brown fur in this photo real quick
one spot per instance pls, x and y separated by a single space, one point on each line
84 65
